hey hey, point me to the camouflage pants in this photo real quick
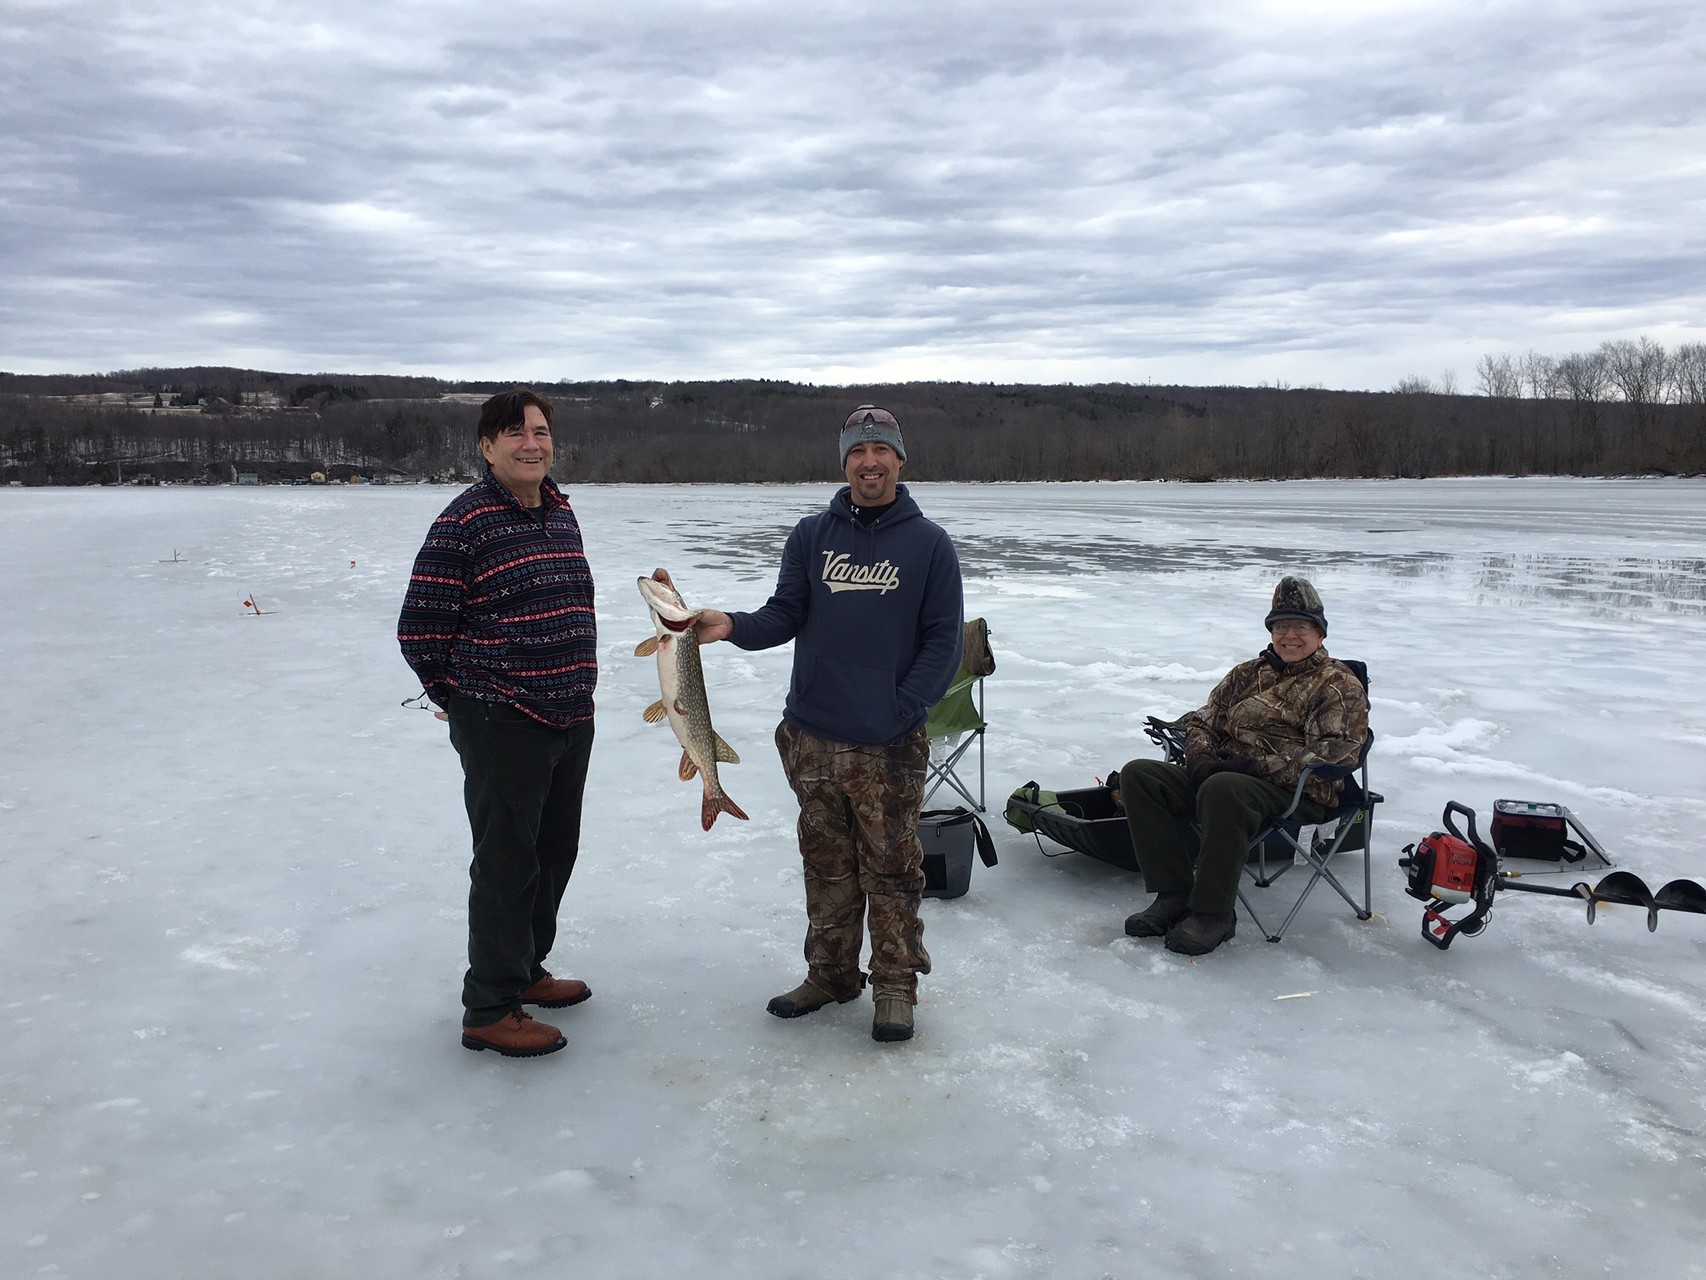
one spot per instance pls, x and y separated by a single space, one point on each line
859 843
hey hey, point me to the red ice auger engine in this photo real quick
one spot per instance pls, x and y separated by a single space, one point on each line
1448 869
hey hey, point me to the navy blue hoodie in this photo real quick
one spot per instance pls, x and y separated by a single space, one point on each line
875 613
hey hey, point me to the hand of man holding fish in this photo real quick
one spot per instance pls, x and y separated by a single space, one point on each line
681 682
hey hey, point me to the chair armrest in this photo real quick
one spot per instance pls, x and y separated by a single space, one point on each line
1319 768
1325 770
1169 735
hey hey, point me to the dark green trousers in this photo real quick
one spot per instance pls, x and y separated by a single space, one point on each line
1160 808
522 782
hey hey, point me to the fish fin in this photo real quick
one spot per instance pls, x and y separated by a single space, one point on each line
688 770
646 648
725 753
712 805
681 708
654 713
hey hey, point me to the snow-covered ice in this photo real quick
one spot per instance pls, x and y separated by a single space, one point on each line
233 924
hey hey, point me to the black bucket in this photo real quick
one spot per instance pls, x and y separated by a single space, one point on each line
950 837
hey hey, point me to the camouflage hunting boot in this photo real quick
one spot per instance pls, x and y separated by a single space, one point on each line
804 999
893 1020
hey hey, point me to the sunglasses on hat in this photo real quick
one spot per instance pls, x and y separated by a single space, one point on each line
870 415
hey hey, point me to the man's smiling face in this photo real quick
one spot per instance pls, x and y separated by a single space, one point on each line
873 469
520 456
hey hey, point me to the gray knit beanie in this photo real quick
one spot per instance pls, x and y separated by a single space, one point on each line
1297 598
868 422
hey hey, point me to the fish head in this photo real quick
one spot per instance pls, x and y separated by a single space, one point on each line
664 601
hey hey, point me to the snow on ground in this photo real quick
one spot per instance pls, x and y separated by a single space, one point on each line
235 870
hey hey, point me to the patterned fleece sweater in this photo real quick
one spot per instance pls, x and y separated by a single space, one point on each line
500 607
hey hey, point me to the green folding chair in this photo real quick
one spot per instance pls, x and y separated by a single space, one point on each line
956 723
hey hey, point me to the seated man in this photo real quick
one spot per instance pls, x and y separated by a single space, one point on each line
1244 752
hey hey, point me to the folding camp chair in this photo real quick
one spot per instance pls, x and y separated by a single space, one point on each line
956 722
1278 847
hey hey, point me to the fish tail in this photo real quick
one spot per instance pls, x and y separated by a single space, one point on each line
712 805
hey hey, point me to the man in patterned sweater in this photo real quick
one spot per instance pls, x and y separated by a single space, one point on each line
498 624
1244 752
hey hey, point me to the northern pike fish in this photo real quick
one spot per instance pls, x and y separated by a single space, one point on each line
681 680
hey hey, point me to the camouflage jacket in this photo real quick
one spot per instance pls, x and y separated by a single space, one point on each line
1285 716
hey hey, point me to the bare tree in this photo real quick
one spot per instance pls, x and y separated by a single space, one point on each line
1496 376
1414 384
1581 379
1688 373
1448 382
1581 376
1640 369
1539 374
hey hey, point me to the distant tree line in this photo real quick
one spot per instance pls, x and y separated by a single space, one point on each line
234 385
1638 372
49 441
1556 417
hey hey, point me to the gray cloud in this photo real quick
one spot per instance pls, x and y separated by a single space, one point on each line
840 192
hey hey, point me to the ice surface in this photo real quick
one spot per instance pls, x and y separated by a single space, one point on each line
235 871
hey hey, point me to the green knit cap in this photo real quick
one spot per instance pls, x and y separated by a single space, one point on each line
1297 598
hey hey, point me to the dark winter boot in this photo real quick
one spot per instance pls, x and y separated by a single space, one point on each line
804 999
1159 916
893 1020
1201 932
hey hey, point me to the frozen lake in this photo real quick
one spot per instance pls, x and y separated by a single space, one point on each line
233 931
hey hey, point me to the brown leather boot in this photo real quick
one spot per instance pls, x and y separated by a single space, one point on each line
556 993
893 1020
515 1035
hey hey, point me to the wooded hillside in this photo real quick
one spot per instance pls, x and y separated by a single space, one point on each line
209 423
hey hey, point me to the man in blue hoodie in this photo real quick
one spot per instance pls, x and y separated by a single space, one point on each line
869 591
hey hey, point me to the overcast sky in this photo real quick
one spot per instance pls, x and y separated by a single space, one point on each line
1333 193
